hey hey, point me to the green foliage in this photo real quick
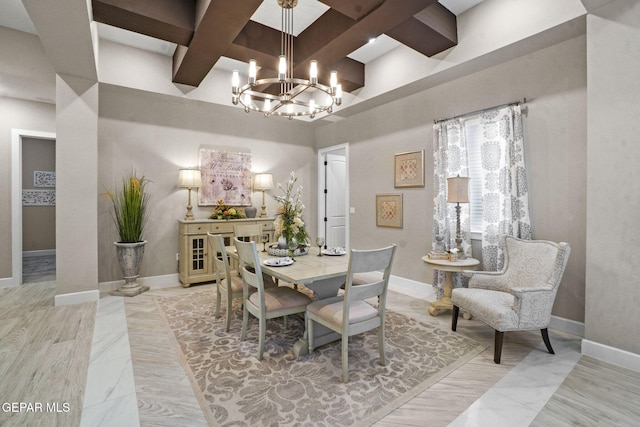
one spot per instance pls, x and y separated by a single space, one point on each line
130 207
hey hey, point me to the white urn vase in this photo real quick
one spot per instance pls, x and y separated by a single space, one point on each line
130 260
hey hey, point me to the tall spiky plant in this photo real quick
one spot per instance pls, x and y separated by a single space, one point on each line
130 207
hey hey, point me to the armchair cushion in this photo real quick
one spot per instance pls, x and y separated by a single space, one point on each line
495 308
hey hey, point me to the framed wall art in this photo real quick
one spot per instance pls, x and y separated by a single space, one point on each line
409 169
225 176
389 210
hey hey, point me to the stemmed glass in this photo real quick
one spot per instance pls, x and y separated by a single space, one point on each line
265 239
319 242
293 245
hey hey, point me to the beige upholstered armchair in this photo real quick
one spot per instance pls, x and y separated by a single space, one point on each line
520 297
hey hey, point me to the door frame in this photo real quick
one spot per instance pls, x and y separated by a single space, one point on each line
16 201
321 184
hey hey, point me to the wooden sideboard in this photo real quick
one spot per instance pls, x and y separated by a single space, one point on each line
195 261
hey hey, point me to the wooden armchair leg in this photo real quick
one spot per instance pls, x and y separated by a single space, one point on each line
545 338
454 317
497 352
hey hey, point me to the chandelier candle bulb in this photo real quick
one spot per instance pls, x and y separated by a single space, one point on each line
235 82
282 68
333 81
338 96
313 72
253 71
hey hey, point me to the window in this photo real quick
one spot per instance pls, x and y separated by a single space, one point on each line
473 135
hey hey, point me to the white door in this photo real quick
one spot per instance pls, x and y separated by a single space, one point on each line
335 196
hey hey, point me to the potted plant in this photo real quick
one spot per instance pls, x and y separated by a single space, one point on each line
130 215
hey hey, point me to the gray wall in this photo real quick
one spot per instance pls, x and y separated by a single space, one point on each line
38 222
157 135
554 82
613 151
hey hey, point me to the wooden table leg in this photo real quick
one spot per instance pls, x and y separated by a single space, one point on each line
444 303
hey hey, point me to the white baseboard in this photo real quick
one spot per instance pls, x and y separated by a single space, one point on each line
77 297
153 282
9 282
567 325
612 355
412 288
43 252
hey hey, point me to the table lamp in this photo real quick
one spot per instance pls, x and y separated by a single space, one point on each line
189 178
262 182
458 192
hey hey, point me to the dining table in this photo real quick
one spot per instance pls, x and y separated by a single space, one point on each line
323 275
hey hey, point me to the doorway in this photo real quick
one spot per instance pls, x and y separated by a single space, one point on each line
333 195
17 136
38 210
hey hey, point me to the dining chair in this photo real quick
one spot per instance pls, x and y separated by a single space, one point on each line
350 314
253 232
264 303
520 296
228 282
248 232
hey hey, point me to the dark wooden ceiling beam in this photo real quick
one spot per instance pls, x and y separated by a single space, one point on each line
219 23
333 36
430 32
353 9
262 43
168 20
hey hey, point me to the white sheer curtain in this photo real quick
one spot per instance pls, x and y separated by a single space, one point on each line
505 194
450 160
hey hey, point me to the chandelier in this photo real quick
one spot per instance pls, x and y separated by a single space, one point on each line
297 97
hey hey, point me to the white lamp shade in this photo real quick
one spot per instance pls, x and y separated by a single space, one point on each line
190 178
458 189
263 181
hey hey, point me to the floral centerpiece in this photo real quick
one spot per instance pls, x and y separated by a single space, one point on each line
288 223
223 211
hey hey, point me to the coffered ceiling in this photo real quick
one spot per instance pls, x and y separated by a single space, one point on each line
206 33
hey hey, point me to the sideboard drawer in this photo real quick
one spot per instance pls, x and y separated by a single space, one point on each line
198 228
221 228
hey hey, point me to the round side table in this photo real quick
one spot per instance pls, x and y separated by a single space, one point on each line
449 268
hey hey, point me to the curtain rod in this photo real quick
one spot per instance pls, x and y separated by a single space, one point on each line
472 113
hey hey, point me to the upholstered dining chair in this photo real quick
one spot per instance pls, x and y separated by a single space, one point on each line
520 296
349 314
228 282
264 303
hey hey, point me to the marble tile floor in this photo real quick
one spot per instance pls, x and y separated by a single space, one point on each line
134 376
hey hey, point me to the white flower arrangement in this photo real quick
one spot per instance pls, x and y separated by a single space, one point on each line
288 222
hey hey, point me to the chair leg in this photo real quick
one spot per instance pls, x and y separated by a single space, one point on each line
310 334
497 352
229 305
245 322
383 356
218 298
345 359
263 331
454 317
545 338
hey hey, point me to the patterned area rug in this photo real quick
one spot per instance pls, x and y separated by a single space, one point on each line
235 388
